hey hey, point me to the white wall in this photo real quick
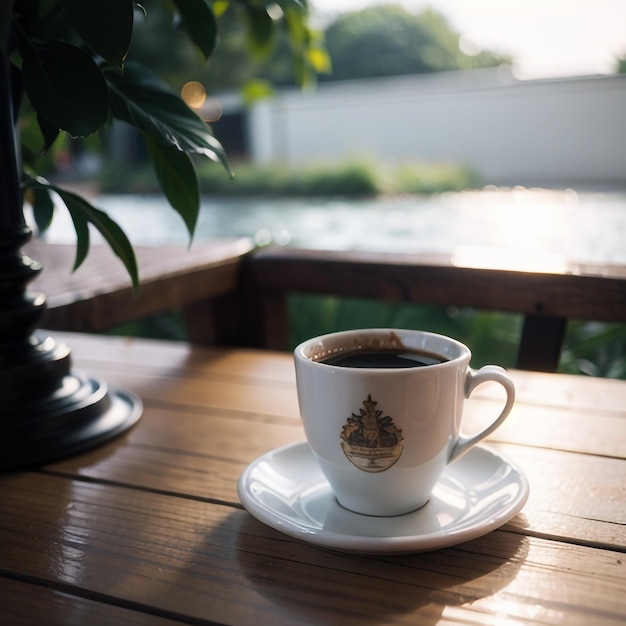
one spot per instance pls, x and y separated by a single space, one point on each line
559 132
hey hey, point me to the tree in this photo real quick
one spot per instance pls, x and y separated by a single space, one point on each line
376 41
389 40
238 59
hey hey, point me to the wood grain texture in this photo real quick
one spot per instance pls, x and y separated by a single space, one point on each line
110 354
546 298
184 556
99 294
149 529
232 294
571 413
28 603
575 292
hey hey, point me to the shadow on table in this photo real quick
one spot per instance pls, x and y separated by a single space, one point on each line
319 585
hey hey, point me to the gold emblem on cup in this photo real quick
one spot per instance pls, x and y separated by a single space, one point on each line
370 441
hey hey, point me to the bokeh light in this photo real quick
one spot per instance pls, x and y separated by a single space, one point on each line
194 94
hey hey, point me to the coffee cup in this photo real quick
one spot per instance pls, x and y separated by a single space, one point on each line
382 412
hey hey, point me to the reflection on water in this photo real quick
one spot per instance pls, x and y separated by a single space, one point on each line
582 226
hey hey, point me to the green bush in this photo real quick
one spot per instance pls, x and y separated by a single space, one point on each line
492 337
589 348
351 179
595 349
432 178
163 325
117 178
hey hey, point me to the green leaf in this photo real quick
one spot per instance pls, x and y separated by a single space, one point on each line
319 59
261 32
43 208
106 26
48 132
220 7
141 99
177 176
65 87
297 27
300 5
30 136
255 90
83 214
199 21
83 240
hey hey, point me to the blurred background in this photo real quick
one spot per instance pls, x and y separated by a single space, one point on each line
466 128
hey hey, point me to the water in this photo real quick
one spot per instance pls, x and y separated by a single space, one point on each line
530 223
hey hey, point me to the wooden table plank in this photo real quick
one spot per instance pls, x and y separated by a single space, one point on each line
195 455
602 433
183 556
573 497
203 456
263 383
25 604
584 510
111 354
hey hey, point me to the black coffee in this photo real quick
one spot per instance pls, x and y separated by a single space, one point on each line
383 359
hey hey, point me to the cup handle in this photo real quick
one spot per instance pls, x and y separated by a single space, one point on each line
472 380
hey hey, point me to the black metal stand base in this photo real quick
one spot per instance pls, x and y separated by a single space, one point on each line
48 412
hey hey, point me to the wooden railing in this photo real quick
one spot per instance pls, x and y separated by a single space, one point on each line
547 299
99 295
236 295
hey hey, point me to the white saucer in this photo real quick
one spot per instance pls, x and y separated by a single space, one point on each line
286 490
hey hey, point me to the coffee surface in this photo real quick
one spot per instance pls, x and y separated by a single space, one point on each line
383 359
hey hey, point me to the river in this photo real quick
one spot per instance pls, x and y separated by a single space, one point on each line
534 223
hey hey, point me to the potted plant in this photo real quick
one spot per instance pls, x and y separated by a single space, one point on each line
65 67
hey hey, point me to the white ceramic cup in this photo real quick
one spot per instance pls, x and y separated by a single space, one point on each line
383 436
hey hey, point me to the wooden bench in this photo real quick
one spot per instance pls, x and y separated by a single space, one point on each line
233 294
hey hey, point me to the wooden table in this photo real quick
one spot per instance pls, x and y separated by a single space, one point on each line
149 529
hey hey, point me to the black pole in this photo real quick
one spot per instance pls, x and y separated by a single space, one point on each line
47 412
